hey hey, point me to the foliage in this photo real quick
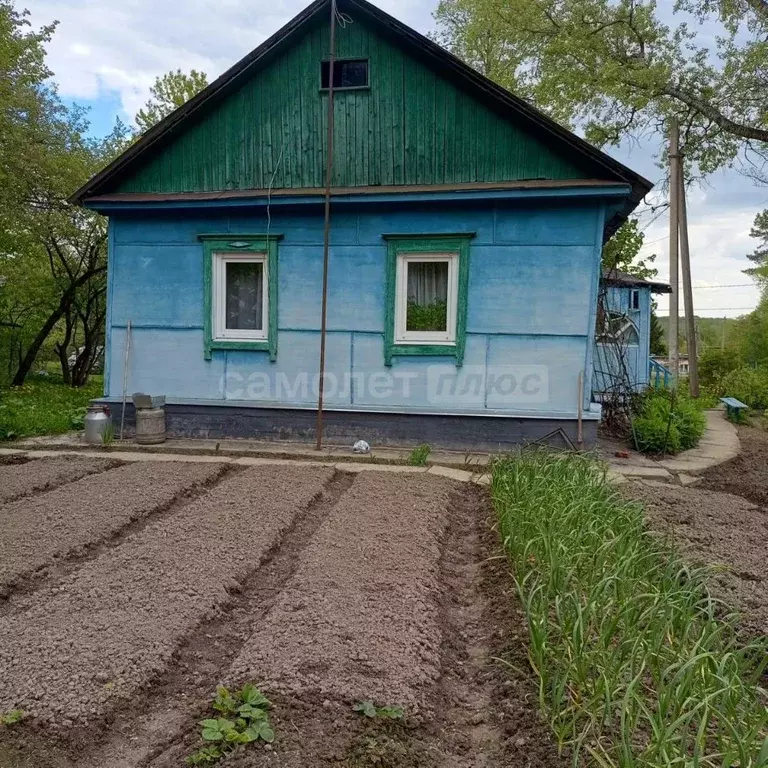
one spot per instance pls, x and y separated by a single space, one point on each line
12 717
616 68
244 720
760 255
622 250
637 665
750 385
658 343
427 317
369 709
418 456
667 422
44 406
715 364
169 92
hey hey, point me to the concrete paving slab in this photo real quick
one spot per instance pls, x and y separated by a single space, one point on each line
689 479
350 466
630 470
454 474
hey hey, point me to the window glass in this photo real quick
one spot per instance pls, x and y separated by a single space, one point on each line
244 295
351 73
427 308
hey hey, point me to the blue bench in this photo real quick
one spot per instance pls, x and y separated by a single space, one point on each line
733 407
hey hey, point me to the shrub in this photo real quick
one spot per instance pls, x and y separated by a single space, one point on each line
714 365
667 422
750 385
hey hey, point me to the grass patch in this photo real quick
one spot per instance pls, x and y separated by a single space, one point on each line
44 406
419 455
637 665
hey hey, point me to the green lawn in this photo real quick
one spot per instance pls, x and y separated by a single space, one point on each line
44 406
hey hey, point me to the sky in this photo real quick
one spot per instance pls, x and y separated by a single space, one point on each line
105 55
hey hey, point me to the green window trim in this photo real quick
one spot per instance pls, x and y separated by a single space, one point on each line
240 244
436 243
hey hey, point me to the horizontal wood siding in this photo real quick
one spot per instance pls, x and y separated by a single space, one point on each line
410 127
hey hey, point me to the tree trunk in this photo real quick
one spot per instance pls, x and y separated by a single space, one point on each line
29 359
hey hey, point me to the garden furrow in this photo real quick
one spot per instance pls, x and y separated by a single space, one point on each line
358 619
17 480
75 652
37 531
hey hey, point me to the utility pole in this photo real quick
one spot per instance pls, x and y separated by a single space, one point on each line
685 263
674 233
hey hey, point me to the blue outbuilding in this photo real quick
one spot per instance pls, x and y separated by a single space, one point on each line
465 232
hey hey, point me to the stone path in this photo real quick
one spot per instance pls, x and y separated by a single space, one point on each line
720 443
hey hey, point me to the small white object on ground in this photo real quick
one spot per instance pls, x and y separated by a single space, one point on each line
361 447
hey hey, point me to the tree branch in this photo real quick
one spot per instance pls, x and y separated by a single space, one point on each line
717 117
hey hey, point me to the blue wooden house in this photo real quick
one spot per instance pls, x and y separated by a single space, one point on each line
622 357
465 234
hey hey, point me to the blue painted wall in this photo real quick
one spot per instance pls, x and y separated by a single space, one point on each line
609 368
531 307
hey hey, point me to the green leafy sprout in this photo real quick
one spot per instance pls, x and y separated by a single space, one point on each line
419 454
388 712
243 720
12 717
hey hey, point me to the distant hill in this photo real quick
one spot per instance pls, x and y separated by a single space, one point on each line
710 331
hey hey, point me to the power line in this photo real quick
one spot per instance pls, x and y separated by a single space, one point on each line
734 285
717 309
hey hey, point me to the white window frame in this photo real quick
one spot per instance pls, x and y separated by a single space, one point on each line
634 298
445 338
219 297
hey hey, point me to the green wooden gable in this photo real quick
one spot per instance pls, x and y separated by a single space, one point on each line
425 120
411 126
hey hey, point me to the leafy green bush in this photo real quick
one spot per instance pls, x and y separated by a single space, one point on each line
750 385
714 365
638 666
667 422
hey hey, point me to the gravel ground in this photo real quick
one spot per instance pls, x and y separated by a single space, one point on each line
17 480
721 530
35 531
359 619
72 653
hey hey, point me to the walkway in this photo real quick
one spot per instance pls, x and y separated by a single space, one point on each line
720 443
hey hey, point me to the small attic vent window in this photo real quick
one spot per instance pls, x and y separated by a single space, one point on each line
347 73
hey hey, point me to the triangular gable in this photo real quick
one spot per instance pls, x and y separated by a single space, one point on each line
426 120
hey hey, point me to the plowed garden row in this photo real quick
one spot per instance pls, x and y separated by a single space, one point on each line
132 591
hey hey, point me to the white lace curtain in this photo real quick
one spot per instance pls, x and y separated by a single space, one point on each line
245 295
427 282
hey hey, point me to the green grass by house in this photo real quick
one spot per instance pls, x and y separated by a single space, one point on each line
44 406
638 666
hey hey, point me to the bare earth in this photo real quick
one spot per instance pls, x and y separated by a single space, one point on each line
723 523
131 592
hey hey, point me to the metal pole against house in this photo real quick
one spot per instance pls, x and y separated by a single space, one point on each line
326 231
685 263
674 230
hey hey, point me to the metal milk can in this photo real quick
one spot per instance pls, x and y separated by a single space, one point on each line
96 419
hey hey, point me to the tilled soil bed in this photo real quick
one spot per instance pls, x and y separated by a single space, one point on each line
722 523
322 587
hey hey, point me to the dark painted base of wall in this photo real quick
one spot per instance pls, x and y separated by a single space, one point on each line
462 433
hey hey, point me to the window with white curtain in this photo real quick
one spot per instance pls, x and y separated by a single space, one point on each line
240 296
426 298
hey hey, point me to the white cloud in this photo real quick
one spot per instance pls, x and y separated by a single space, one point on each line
120 46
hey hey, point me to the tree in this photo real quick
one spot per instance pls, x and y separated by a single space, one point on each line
169 93
622 250
658 337
615 68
